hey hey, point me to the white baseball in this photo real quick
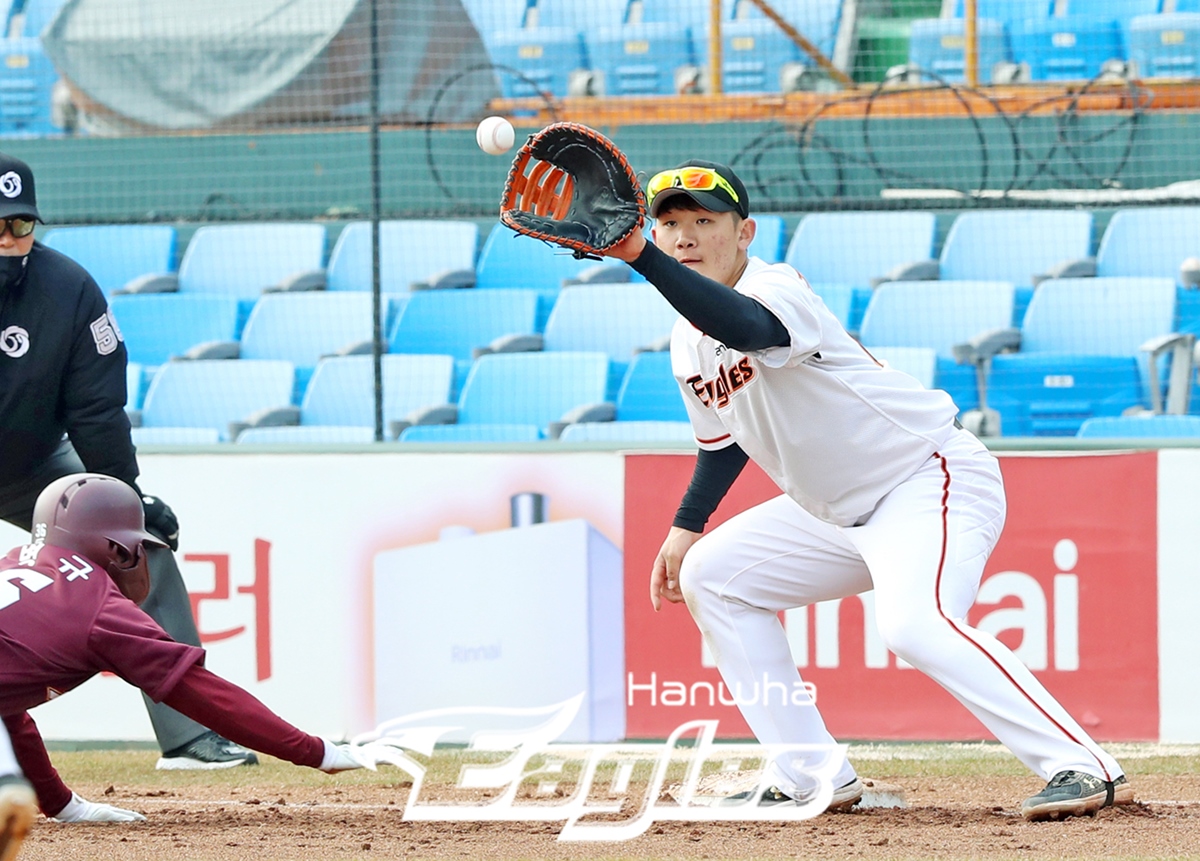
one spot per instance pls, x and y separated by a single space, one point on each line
495 135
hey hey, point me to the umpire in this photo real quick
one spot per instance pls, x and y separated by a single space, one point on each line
62 411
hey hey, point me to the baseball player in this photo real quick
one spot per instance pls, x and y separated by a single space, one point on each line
68 610
882 490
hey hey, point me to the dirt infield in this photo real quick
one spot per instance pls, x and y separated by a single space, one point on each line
276 812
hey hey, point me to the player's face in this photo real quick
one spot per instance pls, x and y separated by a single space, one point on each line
712 243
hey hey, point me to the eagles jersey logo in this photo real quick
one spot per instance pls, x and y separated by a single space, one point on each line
715 392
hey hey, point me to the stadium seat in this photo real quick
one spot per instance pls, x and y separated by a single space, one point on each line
27 80
643 431
542 57
133 385
455 322
175 436
918 362
211 394
938 315
853 248
1014 245
116 254
342 389
37 15
243 259
768 240
1150 241
510 260
493 16
301 328
306 435
649 391
581 15
755 50
160 326
531 388
1159 426
1076 45
936 46
1166 46
471 433
1080 353
639 59
614 319
409 252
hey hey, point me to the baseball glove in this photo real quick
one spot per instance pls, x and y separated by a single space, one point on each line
570 185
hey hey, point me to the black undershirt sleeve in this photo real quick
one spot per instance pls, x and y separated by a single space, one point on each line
718 311
714 474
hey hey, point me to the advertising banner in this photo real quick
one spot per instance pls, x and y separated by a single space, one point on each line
1071 587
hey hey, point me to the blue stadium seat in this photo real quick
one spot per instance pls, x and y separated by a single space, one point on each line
159 326
133 385
581 15
646 431
649 391
455 322
543 57
38 14
1150 241
531 388
855 247
27 78
918 362
510 260
211 394
1014 245
342 389
301 328
471 433
938 315
818 20
1079 353
243 259
755 50
409 251
1076 45
1166 46
1157 426
768 240
175 436
639 59
306 435
614 319
116 254
936 45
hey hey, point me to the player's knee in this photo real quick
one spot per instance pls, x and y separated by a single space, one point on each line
909 637
695 576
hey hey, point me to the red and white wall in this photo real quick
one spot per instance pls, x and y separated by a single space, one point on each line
341 587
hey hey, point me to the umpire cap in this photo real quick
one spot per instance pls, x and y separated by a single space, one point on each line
17 194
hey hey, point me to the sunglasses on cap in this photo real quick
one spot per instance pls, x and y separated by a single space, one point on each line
20 227
690 178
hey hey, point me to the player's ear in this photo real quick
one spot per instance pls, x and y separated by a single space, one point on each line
746 232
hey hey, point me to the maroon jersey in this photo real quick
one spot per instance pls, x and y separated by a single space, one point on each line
62 620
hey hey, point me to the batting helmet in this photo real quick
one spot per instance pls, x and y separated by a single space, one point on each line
101 519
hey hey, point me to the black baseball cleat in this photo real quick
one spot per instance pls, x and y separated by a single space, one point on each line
18 808
844 797
1072 793
207 751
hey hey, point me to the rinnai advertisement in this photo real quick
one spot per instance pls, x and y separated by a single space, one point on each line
1071 587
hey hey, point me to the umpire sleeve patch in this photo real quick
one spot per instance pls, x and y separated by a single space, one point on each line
106 333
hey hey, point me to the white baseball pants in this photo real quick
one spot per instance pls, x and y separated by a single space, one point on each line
923 551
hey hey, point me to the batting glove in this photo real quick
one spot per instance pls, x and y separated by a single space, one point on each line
161 520
345 757
79 809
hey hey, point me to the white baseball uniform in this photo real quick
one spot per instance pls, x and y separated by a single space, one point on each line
881 491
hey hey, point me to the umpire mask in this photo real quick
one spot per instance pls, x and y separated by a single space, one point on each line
12 270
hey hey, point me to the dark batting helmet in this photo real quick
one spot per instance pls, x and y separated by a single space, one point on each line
101 519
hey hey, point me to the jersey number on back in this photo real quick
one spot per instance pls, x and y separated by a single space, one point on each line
10 593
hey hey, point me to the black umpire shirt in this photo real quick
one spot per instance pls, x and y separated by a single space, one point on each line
62 370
